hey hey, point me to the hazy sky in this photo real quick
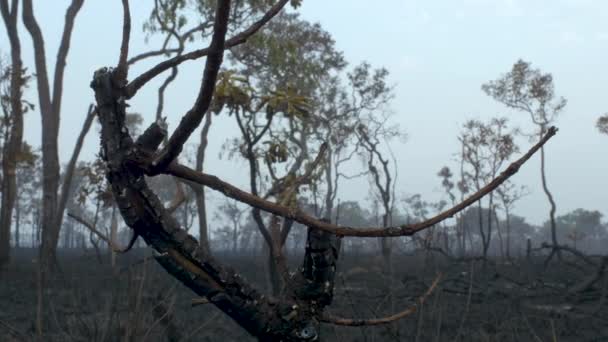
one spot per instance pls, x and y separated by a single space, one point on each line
438 52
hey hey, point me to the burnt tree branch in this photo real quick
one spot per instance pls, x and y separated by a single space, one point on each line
177 251
297 215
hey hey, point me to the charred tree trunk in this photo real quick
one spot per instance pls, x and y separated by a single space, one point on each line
489 231
288 318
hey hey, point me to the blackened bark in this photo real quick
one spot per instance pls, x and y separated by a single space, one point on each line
177 251
315 282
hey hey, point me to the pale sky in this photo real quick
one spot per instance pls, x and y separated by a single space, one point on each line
438 52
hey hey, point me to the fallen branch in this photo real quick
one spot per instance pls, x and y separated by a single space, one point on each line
592 279
351 322
571 250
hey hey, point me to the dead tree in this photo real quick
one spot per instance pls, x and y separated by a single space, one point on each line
296 314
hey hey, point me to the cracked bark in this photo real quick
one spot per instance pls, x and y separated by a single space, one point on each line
269 319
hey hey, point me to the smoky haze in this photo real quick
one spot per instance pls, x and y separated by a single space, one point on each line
438 54
359 149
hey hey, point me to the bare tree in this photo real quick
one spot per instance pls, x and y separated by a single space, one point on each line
295 314
531 91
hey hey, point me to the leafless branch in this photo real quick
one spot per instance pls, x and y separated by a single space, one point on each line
149 54
301 217
69 171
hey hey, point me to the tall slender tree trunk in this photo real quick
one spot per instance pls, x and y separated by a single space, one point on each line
113 235
482 233
235 237
386 244
551 202
17 223
508 225
12 147
329 204
501 240
50 108
199 191
489 231
461 221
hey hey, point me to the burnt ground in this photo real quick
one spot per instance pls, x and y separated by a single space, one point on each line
137 301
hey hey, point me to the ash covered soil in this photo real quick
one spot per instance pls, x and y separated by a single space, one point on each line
88 300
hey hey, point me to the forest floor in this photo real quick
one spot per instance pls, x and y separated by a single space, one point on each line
474 301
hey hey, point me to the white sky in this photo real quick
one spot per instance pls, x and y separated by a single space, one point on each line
439 52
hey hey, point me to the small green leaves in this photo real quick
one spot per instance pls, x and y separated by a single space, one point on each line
232 91
288 102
